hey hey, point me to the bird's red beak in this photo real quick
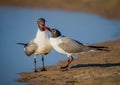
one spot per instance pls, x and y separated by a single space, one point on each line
44 27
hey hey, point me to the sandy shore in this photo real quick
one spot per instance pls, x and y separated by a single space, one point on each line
107 8
93 68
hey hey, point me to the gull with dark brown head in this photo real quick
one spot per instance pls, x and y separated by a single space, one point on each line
40 45
69 47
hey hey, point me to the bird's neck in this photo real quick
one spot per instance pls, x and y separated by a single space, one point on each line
57 39
41 35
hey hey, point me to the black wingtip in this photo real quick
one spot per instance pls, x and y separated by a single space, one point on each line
97 46
103 49
22 44
100 48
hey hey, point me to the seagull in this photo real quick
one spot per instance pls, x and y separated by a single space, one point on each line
69 47
40 45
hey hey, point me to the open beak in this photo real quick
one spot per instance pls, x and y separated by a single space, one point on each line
46 28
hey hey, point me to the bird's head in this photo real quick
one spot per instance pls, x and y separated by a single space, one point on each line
41 24
54 32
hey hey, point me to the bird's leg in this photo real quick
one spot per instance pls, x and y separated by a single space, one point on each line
69 61
64 67
43 67
35 64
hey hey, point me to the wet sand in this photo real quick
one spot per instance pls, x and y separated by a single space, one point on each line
92 68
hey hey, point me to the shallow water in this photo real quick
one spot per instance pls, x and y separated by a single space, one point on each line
19 25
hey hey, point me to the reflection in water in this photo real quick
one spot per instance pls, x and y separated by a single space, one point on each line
19 25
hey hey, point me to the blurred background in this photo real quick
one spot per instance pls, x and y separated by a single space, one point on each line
88 21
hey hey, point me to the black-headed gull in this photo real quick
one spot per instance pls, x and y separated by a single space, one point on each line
69 47
40 45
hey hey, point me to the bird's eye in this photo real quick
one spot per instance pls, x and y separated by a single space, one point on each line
54 31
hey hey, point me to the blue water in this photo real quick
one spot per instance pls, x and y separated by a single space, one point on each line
20 25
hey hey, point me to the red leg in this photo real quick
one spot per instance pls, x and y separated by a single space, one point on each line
69 62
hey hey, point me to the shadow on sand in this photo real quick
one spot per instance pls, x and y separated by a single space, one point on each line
96 65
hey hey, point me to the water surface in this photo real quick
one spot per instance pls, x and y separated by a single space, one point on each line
20 25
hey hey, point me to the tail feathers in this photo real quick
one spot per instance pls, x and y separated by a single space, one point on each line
99 48
25 44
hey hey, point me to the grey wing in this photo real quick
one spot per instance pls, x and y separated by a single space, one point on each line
30 48
72 46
